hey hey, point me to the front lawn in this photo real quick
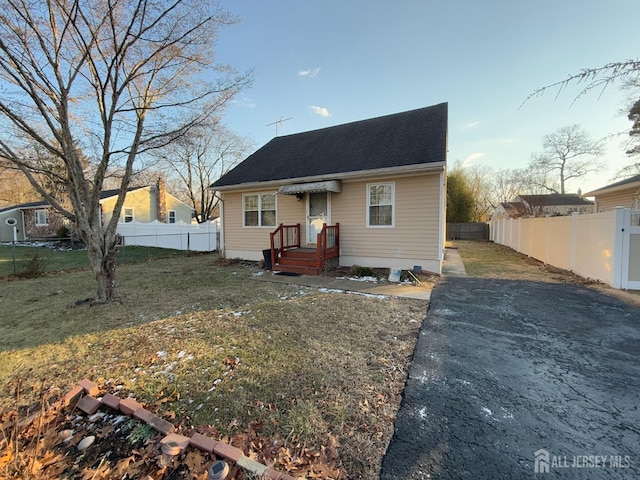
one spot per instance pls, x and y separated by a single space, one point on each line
54 260
202 344
492 260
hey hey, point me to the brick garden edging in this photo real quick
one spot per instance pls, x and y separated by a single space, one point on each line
86 391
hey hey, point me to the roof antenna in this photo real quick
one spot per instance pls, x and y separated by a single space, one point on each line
278 122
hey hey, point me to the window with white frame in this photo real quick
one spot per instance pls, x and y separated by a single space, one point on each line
127 215
42 218
172 216
380 204
259 210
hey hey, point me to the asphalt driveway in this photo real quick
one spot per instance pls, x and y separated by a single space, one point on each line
509 371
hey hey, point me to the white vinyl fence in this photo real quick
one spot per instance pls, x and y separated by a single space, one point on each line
599 246
180 236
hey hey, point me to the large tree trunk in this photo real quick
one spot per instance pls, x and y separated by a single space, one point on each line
124 76
102 259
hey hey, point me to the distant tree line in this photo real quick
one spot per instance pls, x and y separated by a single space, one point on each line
568 153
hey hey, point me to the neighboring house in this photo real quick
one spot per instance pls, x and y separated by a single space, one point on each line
549 205
369 193
31 220
509 210
146 204
38 220
625 193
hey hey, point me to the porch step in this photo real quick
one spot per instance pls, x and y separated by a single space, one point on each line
300 261
301 269
299 254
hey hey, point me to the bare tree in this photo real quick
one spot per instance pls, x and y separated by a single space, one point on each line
627 73
568 153
506 184
593 78
479 181
14 186
200 158
538 181
104 80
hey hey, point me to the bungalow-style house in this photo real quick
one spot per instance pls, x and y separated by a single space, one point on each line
548 205
509 210
29 219
37 220
625 193
368 193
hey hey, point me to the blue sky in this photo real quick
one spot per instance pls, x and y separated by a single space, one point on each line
323 63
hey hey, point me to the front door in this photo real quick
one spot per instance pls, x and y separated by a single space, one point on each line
317 214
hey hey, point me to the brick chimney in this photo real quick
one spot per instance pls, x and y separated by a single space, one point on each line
161 194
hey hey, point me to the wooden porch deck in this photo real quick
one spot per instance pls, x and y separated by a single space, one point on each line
288 256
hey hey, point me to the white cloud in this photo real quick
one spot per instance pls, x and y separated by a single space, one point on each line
470 125
310 72
322 111
472 157
248 102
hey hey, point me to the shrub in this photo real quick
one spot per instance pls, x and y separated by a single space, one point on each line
358 271
33 266
63 232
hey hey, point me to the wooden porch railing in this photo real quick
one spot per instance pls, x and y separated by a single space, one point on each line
284 237
328 244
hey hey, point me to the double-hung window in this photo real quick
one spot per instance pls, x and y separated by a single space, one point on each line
380 204
42 218
172 216
128 215
259 210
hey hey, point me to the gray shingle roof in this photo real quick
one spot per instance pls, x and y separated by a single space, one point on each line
555 199
402 139
112 193
25 205
514 209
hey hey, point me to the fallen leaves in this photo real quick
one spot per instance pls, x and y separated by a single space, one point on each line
197 463
37 451
6 455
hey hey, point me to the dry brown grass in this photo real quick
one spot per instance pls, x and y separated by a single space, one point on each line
491 260
210 348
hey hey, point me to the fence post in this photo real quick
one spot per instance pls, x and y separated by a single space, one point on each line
618 278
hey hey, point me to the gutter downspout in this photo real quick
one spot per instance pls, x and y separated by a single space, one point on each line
221 246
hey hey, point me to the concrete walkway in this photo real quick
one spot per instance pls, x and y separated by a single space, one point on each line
403 290
453 266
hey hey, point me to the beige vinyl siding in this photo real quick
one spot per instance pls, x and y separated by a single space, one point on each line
415 232
145 206
183 211
144 210
413 240
622 198
248 242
